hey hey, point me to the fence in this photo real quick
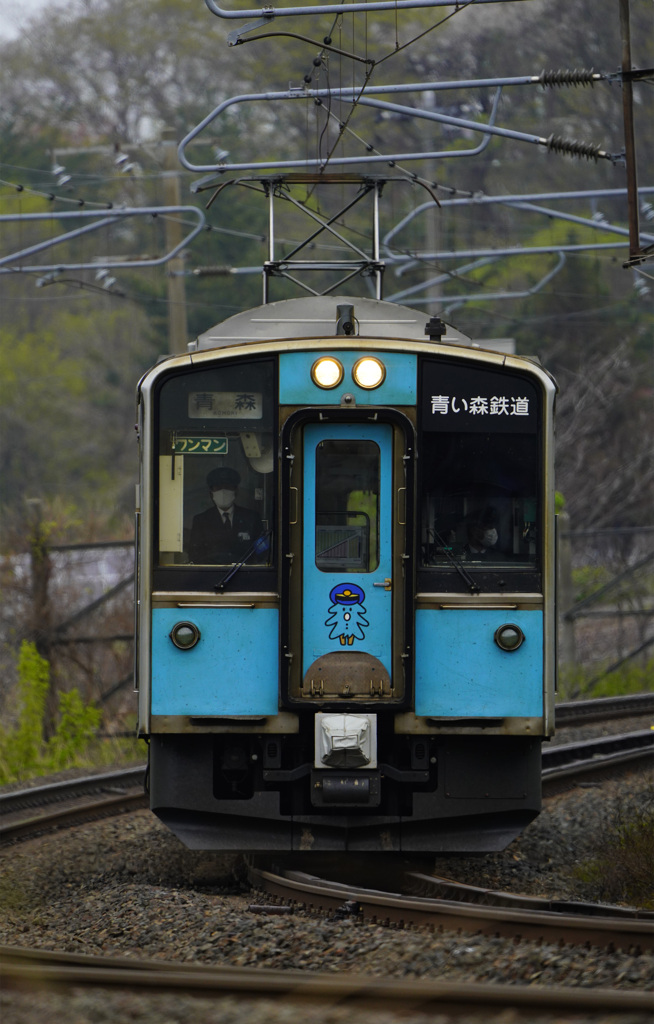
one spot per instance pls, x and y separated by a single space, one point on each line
76 602
605 597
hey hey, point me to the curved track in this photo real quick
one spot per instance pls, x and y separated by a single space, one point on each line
436 903
614 929
20 969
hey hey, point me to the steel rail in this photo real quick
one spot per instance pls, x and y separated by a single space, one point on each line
21 968
603 709
98 802
602 751
50 820
446 888
70 789
609 932
112 793
588 755
606 757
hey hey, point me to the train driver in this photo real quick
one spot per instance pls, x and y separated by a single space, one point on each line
223 533
482 535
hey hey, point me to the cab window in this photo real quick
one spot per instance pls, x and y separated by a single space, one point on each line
480 500
216 457
480 468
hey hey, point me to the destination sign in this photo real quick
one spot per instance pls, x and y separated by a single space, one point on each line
456 397
225 405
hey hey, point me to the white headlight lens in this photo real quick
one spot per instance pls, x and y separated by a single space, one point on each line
369 373
327 372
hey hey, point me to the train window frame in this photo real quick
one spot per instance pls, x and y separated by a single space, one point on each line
205 577
453 575
353 529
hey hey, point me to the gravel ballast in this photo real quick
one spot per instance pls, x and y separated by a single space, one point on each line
127 887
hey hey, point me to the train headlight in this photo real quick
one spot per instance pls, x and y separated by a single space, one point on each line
184 635
509 637
327 372
369 372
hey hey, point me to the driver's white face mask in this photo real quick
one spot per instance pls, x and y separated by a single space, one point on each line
490 538
223 499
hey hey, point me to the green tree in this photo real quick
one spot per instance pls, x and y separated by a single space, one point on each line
137 67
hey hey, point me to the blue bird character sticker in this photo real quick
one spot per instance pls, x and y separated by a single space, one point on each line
347 613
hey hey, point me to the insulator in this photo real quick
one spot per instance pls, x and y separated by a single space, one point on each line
563 76
572 147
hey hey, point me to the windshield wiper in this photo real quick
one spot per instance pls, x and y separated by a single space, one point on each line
469 580
258 548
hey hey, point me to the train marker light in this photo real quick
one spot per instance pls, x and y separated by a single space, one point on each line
327 372
369 372
509 637
184 635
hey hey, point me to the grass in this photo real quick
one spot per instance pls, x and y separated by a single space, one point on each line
73 740
622 871
579 683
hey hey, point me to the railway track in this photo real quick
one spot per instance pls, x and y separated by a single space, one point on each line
605 709
22 968
439 904
29 812
605 927
603 757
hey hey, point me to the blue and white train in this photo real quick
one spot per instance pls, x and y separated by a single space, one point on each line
345 583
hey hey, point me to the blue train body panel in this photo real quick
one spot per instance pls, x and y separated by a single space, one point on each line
232 671
296 386
460 670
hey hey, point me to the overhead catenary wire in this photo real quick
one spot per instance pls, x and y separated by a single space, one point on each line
53 196
554 143
7 263
552 79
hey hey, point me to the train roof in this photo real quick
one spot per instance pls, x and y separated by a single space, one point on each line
317 316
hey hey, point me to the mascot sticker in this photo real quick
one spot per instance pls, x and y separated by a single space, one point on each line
347 615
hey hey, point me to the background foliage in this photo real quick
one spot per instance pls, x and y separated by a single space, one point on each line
71 352
24 749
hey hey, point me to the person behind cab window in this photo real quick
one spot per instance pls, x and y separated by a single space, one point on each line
482 534
223 533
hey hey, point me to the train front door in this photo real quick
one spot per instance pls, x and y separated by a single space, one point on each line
346 507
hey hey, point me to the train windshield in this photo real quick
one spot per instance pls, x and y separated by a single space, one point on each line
215 466
480 469
480 502
347 506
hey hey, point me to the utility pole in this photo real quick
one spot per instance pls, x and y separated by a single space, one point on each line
41 611
175 282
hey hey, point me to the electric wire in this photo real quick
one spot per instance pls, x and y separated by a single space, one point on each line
371 66
53 197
